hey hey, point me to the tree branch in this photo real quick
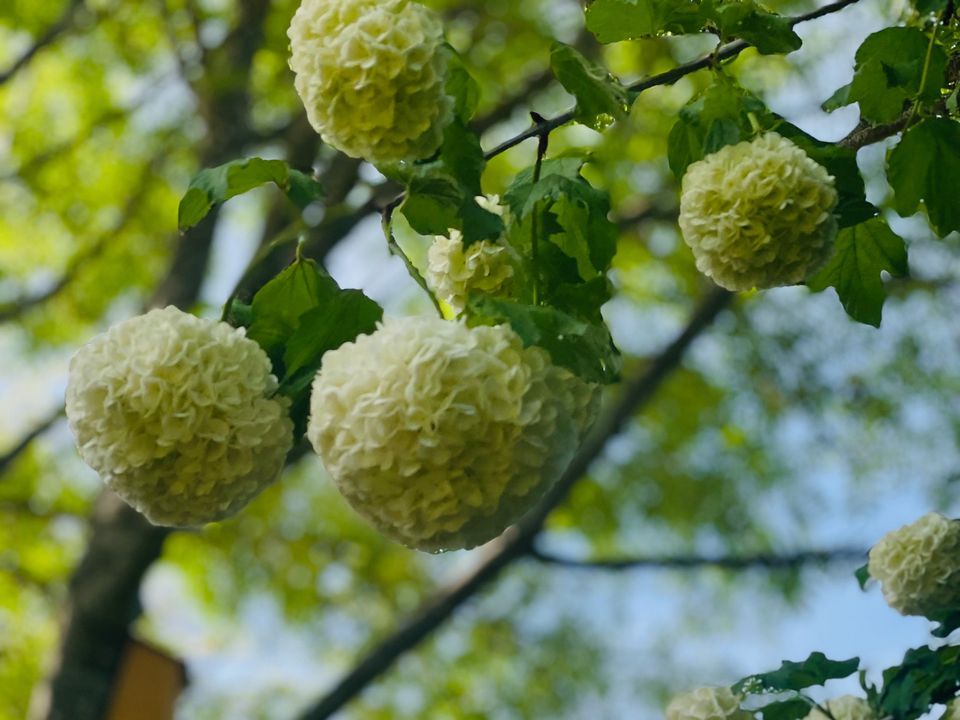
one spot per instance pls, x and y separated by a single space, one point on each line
14 309
50 36
517 541
665 78
765 561
8 458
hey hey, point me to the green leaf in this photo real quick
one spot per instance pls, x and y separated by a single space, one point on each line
461 86
792 709
615 20
719 116
947 623
930 6
441 194
888 71
815 670
277 307
861 253
601 99
586 349
576 239
768 32
216 185
340 319
925 166
923 678
862 574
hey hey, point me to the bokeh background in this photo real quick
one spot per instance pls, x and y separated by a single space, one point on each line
787 428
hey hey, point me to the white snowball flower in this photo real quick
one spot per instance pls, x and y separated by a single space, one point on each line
918 566
371 75
845 707
707 703
442 435
453 272
176 414
758 214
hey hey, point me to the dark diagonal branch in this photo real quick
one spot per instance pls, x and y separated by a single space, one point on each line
8 458
14 309
62 24
763 561
665 78
517 541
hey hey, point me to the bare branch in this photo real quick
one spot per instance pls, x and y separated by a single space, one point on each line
765 561
666 78
8 458
50 36
14 309
517 541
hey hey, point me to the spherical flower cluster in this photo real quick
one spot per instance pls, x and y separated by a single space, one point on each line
707 703
454 271
918 566
371 75
845 707
758 214
176 415
442 435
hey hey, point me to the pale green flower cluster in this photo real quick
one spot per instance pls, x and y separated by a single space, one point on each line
177 415
758 214
442 435
918 566
707 703
845 707
453 272
371 75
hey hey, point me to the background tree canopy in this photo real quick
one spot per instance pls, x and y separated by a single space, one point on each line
757 446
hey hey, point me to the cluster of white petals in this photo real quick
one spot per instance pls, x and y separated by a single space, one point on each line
442 435
707 703
918 566
453 272
845 707
175 413
758 214
371 75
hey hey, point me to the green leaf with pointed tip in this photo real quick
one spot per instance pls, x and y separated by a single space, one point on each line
923 678
441 194
461 86
792 709
768 32
601 99
925 166
615 20
861 253
815 670
586 349
862 574
888 71
216 185
340 319
277 307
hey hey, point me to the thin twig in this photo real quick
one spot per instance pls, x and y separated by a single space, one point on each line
8 458
669 77
50 36
517 541
766 561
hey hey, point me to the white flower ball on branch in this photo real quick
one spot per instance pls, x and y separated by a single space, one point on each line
918 566
707 703
454 272
442 435
371 75
176 414
758 214
845 707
